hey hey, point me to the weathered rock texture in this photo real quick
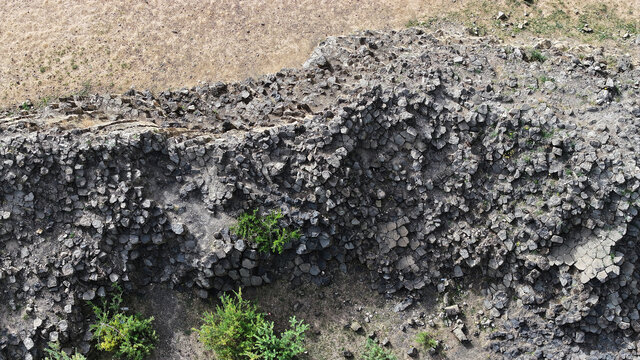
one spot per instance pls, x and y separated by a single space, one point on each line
428 161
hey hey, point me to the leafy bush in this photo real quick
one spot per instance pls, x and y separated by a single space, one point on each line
54 353
238 331
264 231
127 336
269 346
374 351
230 331
427 340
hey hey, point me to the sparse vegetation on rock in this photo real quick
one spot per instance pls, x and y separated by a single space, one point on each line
265 231
536 55
53 352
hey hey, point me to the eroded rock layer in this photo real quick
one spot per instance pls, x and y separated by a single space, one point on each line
428 160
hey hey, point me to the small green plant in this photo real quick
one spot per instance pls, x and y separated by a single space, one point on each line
264 231
269 346
426 340
418 23
54 353
412 23
127 336
544 78
536 55
374 351
238 331
86 89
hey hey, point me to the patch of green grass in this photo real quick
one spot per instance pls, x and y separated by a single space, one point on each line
427 340
562 20
412 23
536 55
265 231
557 21
544 78
424 23
373 351
44 101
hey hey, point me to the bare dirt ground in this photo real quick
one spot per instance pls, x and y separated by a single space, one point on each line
329 310
51 48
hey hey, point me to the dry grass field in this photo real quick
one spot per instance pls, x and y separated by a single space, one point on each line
51 48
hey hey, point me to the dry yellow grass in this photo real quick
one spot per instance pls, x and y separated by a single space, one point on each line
56 47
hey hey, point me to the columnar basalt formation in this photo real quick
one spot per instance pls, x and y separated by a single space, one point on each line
427 160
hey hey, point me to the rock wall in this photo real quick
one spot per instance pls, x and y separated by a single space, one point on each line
409 154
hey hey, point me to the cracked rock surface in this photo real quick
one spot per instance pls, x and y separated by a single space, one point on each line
424 158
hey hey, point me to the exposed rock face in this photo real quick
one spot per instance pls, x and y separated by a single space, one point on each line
393 150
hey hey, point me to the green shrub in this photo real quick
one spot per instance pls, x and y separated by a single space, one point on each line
427 340
264 231
231 330
54 353
238 331
127 336
269 346
373 351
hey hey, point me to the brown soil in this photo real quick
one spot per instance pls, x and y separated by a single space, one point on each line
327 310
58 47
54 47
